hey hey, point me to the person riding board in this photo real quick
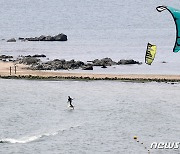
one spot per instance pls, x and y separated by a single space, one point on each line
70 102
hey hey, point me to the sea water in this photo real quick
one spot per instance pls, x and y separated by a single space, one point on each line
96 29
35 117
107 115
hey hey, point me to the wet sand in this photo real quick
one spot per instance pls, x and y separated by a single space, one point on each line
23 72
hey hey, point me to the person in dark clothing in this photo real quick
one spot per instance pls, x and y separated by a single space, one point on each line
70 102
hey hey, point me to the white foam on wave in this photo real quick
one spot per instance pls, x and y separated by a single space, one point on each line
27 139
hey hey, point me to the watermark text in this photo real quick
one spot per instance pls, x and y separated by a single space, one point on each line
165 145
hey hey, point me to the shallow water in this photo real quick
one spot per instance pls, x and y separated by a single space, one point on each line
35 117
95 29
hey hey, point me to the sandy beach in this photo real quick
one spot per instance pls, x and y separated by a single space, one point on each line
21 71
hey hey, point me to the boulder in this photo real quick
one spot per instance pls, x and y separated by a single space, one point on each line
21 38
103 62
69 64
42 67
11 40
164 62
127 62
79 64
32 39
39 67
57 64
5 57
39 56
104 66
87 67
42 38
97 62
60 37
36 56
28 56
29 61
108 62
49 38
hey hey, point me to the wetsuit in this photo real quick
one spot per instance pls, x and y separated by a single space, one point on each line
70 101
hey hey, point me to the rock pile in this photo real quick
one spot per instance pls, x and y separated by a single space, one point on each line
59 37
6 58
58 64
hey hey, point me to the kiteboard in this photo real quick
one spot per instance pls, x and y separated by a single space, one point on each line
70 107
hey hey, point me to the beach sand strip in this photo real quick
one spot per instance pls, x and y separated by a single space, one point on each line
22 71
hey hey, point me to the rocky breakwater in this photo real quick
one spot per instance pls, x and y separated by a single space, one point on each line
62 64
59 37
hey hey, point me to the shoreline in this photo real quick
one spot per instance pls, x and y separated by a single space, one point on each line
24 73
81 78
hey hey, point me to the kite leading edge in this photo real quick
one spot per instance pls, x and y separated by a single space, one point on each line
176 16
150 53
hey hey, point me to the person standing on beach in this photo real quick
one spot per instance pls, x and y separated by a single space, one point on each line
70 102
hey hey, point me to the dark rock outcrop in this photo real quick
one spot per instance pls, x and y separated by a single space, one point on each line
49 38
127 62
87 67
11 40
57 64
103 62
6 58
39 56
29 61
42 38
59 37
104 66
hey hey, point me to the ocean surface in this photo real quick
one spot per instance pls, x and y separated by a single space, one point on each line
108 114
35 118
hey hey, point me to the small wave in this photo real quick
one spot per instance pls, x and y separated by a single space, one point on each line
32 138
26 139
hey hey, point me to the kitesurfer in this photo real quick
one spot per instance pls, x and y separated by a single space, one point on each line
70 102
